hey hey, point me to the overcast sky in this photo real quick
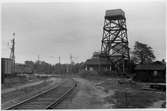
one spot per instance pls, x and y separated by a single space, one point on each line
60 29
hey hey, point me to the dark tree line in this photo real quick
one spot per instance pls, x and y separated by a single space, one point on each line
141 54
46 68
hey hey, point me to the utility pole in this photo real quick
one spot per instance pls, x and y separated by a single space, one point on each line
71 59
58 62
59 65
56 58
71 62
38 58
59 59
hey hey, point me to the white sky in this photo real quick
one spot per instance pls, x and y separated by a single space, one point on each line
61 29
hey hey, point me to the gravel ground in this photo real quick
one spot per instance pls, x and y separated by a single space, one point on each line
11 82
107 93
132 95
86 96
7 90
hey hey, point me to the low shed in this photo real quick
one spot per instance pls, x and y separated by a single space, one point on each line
151 73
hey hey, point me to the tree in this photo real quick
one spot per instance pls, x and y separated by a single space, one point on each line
29 64
142 53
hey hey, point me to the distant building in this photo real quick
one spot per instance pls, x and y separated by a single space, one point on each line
98 64
23 69
19 68
101 63
29 63
155 72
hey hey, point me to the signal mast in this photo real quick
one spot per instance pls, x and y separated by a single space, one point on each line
12 53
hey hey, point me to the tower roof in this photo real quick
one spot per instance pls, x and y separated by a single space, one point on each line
115 14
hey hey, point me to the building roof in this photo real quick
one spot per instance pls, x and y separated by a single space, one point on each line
150 67
20 64
6 59
115 13
97 61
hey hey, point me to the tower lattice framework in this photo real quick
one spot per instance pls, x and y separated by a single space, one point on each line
115 40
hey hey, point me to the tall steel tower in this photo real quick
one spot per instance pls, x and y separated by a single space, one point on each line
115 40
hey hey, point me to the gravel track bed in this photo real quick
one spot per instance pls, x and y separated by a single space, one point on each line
24 91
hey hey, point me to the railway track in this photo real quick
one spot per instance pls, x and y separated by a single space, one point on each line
47 99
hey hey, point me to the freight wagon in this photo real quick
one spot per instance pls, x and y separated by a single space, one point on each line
7 68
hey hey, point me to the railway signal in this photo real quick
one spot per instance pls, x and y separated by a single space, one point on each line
12 53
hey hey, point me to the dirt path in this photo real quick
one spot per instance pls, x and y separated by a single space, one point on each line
87 96
111 93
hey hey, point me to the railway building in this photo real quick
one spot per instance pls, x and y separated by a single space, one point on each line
155 72
98 64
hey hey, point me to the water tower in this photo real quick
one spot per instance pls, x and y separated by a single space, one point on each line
115 41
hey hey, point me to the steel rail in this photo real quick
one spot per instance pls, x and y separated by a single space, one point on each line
62 97
52 104
33 97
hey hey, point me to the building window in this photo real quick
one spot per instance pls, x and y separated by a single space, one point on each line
91 68
155 73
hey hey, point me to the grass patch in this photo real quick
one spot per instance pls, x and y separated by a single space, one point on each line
93 75
17 80
135 99
129 95
21 92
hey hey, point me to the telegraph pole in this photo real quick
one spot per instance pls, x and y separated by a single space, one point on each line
71 59
56 58
71 62
38 58
59 59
